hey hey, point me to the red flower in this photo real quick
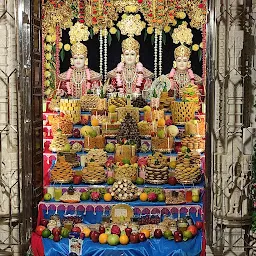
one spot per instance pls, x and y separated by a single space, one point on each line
94 20
140 1
94 12
82 21
150 15
201 6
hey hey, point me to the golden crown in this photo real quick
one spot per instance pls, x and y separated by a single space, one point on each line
79 49
182 51
130 44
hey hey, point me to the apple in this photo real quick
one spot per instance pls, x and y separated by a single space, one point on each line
102 229
76 229
192 229
39 230
82 236
172 181
56 231
67 147
44 222
56 238
115 230
77 179
113 239
47 197
158 233
169 122
76 133
177 236
128 231
178 148
95 236
134 238
142 237
187 234
199 224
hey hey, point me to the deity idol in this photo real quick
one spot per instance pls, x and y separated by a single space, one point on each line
181 73
129 77
79 78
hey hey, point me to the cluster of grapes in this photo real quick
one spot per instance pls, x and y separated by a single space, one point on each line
149 219
153 190
139 102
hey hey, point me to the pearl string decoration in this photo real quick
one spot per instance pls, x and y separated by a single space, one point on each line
105 56
155 54
101 52
160 52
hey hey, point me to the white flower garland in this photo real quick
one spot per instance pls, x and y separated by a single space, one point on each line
105 56
101 53
160 52
155 54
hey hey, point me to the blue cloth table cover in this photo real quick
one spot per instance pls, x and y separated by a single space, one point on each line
151 247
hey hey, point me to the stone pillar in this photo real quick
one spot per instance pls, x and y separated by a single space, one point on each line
231 163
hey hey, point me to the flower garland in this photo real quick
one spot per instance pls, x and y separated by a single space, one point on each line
105 57
119 76
57 58
101 52
160 52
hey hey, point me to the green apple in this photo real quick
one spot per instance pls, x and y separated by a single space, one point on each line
184 149
67 147
187 234
110 148
93 134
47 197
161 134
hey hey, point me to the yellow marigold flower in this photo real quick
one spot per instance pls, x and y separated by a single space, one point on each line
46 83
181 15
53 38
112 30
201 45
67 47
131 8
195 47
174 22
167 29
48 56
104 32
72 41
60 45
150 30
48 48
124 16
48 39
95 30
47 74
51 30
47 65
137 16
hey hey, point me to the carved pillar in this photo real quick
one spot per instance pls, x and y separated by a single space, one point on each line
231 163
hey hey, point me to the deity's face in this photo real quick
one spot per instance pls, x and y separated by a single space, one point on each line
182 63
79 61
129 57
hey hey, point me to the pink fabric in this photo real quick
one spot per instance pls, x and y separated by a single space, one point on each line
68 77
191 74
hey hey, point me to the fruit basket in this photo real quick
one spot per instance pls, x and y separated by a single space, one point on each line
183 111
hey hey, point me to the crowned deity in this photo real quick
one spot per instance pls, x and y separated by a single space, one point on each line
79 78
129 77
181 73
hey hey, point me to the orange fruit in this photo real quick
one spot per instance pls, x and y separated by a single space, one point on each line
146 232
124 239
95 122
87 232
107 197
103 238
161 122
143 197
